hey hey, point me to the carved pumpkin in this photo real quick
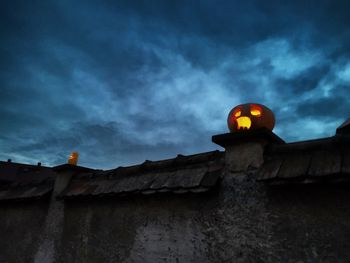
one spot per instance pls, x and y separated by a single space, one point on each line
250 116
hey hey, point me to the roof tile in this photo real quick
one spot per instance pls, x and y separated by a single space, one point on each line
23 181
295 165
307 161
181 174
270 169
324 163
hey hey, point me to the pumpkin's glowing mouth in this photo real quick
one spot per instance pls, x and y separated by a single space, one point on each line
243 123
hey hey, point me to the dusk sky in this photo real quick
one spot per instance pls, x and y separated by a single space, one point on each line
125 81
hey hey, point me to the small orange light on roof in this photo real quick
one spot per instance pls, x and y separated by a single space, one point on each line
73 158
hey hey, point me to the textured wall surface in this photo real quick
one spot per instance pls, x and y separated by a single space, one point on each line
241 220
21 225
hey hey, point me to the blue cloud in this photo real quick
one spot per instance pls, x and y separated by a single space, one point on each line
128 81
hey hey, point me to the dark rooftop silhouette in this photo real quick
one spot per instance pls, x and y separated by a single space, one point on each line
320 160
23 181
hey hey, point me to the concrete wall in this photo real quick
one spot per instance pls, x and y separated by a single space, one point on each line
240 221
21 225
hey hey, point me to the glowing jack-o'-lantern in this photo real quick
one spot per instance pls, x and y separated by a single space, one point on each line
73 158
250 116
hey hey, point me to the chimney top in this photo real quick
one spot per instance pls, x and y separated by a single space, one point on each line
260 135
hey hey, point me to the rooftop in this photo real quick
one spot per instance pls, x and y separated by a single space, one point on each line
315 161
322 160
23 181
194 173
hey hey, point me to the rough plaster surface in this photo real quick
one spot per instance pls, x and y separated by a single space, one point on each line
51 233
239 228
53 223
170 239
239 157
240 221
153 229
20 228
312 222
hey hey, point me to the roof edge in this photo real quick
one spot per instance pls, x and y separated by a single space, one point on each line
263 134
70 167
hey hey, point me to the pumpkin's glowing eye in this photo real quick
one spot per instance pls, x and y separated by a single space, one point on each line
255 112
238 113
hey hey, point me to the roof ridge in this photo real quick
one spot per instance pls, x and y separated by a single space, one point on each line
24 164
159 165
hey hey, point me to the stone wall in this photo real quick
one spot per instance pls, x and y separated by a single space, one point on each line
21 225
241 220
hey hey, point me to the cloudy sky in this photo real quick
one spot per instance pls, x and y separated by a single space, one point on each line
125 81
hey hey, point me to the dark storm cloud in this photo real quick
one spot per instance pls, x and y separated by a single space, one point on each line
305 81
332 107
125 81
107 144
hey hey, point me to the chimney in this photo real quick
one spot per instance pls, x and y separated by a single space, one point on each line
250 128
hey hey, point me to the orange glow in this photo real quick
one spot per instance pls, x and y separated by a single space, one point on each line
255 113
250 116
73 158
255 110
238 113
244 123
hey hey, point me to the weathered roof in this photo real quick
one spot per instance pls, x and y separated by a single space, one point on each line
309 161
71 168
22 181
344 128
194 173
